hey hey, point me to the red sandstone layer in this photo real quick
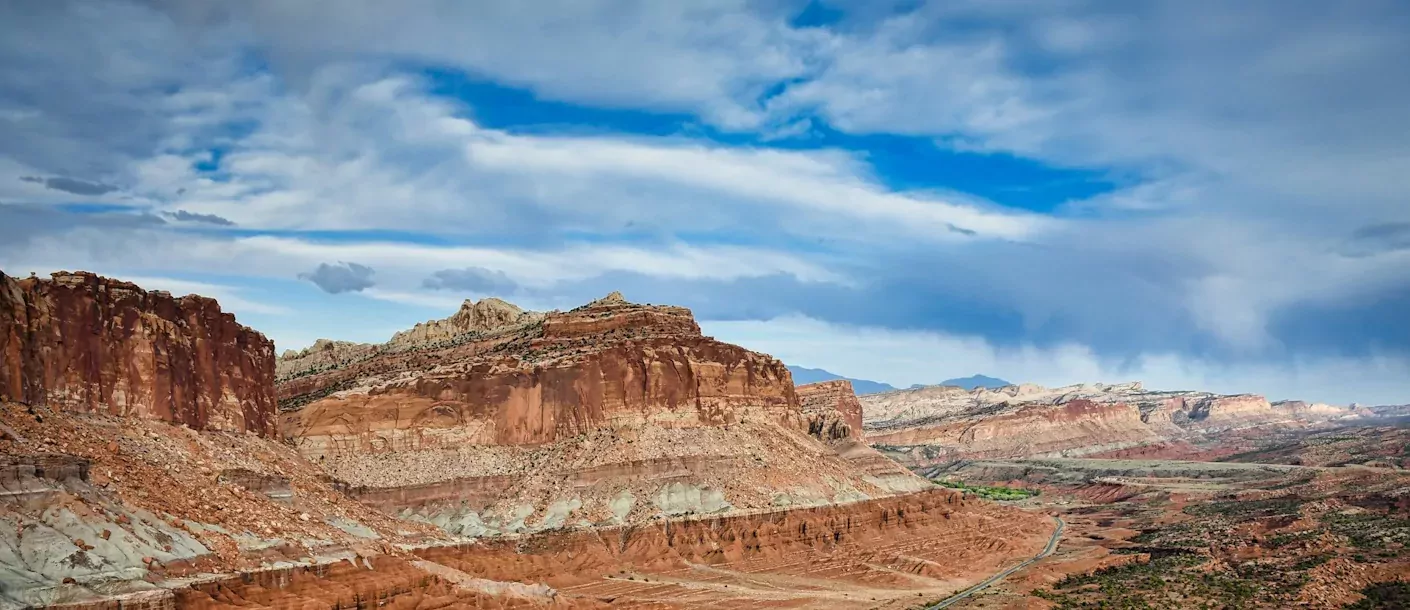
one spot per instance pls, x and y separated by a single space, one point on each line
599 366
610 413
936 424
887 553
84 343
832 409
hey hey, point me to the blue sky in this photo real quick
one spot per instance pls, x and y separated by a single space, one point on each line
1195 194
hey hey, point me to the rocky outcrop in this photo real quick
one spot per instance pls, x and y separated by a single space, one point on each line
886 552
607 413
934 534
918 403
474 321
599 366
615 437
473 317
84 343
832 409
935 424
323 355
1075 428
1316 410
97 506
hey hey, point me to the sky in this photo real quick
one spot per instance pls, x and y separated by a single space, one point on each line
1195 194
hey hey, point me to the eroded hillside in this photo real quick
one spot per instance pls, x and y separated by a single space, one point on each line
610 413
607 456
938 424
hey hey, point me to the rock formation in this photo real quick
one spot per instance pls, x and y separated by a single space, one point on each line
323 355
608 413
936 424
80 342
880 553
486 315
832 409
141 466
600 366
95 505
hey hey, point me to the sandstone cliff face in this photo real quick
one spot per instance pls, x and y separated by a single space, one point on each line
888 547
612 412
80 342
130 468
944 423
601 366
1305 410
832 409
1079 427
919 403
584 372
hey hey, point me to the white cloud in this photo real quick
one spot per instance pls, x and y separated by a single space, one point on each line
708 58
359 151
229 296
902 358
402 266
1253 143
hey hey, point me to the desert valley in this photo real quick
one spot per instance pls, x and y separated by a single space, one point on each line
158 454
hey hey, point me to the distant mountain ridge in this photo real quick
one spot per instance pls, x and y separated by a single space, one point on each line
802 375
977 381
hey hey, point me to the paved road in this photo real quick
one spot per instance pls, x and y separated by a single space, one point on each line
963 595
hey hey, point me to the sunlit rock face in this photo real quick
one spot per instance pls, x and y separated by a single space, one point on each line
832 409
611 412
938 423
85 343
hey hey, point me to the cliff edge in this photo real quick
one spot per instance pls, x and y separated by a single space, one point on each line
85 343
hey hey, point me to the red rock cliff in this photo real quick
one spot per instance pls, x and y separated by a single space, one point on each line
607 364
832 409
84 343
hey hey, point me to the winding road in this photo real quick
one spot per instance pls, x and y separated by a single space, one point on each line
963 595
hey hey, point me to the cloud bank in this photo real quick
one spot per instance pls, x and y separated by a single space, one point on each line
1171 189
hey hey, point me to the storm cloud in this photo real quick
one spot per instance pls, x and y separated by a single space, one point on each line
210 219
72 185
341 277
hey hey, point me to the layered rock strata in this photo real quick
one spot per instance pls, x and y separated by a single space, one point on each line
94 506
888 553
474 321
832 409
473 317
611 428
938 423
84 343
613 366
612 412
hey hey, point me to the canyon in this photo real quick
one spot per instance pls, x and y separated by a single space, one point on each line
1172 498
156 454
1251 531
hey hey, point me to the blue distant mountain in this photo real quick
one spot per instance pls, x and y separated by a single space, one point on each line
976 381
803 375
860 386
